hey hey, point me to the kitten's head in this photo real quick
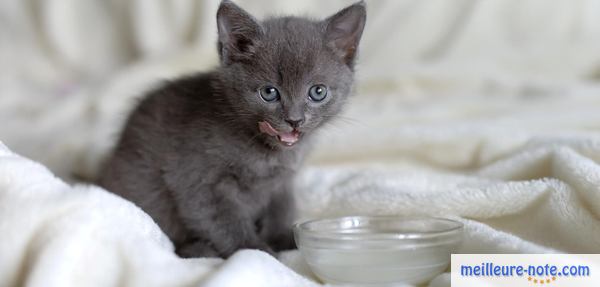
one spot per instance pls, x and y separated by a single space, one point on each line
284 77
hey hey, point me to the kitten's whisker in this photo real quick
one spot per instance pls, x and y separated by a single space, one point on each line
328 125
344 120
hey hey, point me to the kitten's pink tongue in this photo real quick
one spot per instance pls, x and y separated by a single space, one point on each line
266 128
289 138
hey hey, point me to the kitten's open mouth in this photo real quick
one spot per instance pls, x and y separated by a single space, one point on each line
286 138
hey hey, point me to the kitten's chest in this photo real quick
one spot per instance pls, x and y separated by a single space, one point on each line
252 173
260 172
257 180
253 163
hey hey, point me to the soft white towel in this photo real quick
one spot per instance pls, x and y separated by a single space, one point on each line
58 235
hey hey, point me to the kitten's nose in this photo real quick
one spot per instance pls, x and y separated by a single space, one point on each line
295 122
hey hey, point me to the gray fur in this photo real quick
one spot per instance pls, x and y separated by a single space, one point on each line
191 154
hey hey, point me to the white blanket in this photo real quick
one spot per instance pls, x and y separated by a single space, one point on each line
485 112
60 235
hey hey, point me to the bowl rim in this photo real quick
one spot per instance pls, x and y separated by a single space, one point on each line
302 230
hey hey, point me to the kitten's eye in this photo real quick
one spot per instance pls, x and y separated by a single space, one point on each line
269 93
317 93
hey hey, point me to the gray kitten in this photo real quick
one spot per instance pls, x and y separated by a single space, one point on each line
211 157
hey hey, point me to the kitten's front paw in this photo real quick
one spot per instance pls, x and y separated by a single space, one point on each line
282 242
262 247
227 251
196 248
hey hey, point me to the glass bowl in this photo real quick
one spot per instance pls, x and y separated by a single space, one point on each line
378 250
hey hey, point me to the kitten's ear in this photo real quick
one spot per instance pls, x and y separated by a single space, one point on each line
239 33
344 30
